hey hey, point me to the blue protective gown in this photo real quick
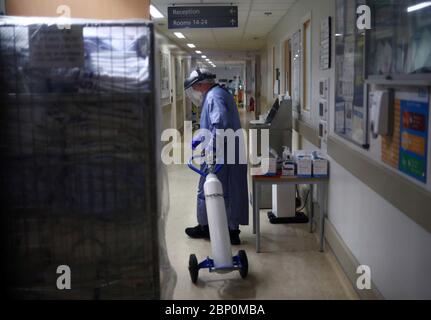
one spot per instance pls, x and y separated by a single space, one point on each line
219 111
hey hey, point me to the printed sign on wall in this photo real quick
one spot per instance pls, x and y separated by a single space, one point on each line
414 134
164 75
325 44
406 149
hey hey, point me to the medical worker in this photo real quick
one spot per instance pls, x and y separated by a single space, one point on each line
218 111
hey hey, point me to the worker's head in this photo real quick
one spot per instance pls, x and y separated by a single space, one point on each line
198 84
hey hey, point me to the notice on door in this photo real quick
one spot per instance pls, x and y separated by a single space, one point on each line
51 47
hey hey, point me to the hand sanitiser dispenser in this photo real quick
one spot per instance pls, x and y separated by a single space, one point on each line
381 113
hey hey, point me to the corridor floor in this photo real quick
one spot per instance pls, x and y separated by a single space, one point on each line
289 267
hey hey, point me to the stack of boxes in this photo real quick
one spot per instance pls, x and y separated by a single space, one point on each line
306 164
288 166
303 164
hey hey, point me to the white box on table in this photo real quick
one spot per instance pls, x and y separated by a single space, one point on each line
288 169
268 167
320 164
304 163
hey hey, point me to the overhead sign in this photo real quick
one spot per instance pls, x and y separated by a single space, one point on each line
203 17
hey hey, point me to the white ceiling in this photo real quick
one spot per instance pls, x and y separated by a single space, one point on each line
253 26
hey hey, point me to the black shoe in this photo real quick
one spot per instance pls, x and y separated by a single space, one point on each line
234 237
198 232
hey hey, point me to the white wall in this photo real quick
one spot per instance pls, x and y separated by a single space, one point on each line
379 235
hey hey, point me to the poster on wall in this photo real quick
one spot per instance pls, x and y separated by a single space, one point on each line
340 117
407 148
178 78
414 114
351 107
164 76
325 44
296 66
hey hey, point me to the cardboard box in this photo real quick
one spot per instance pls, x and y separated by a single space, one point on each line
304 163
288 169
272 166
266 163
320 165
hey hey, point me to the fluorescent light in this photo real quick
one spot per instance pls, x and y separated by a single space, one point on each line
198 51
191 45
338 35
179 35
204 57
419 6
155 13
207 59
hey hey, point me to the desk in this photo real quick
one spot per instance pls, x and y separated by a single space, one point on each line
322 184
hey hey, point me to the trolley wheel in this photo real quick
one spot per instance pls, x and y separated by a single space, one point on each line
244 264
193 268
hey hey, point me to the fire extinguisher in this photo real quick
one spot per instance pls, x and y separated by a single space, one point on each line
251 108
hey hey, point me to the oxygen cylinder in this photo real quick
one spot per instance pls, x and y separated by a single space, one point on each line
217 222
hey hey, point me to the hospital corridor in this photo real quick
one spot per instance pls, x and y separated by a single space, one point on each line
216 158
302 272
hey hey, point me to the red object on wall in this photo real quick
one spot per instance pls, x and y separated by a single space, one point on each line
251 106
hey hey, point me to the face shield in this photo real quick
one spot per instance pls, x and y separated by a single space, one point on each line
197 76
195 96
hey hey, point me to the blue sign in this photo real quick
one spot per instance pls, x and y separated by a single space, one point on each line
202 17
414 139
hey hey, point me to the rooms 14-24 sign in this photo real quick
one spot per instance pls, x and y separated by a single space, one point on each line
202 17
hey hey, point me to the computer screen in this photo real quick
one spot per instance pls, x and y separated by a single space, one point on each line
273 112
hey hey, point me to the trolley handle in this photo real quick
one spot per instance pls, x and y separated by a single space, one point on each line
217 167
